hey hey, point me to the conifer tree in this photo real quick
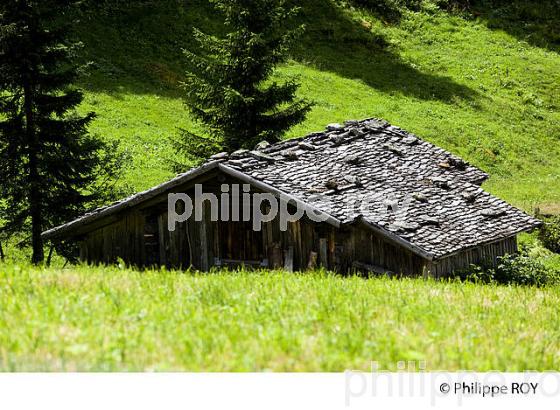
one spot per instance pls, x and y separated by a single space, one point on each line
228 85
49 164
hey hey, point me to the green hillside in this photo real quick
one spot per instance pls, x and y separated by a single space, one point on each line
484 84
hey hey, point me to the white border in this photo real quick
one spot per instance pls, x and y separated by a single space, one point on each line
350 390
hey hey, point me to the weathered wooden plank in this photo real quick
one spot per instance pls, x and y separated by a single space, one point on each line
203 238
312 262
331 248
275 256
289 259
323 253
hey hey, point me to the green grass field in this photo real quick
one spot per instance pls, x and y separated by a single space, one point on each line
108 319
485 88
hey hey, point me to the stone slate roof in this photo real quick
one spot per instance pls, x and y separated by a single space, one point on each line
417 194
421 193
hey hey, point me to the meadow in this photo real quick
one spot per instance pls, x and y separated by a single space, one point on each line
483 85
111 319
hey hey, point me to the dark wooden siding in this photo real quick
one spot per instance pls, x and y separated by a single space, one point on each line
137 242
123 239
484 253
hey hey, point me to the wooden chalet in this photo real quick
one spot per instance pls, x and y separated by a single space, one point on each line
426 213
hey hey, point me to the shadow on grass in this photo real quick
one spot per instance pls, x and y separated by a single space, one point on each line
534 21
142 53
138 50
337 43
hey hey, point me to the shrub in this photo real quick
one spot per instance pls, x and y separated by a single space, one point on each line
481 273
389 9
522 270
519 269
550 234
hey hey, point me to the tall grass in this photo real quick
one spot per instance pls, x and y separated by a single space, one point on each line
107 319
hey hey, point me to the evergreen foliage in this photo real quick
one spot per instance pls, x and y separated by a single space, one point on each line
49 164
228 84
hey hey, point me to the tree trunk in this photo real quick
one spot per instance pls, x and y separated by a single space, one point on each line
49 258
34 182
1 252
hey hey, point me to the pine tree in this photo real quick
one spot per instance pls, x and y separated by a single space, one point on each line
49 164
228 85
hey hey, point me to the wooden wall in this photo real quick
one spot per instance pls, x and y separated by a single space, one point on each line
130 241
484 253
122 239
369 248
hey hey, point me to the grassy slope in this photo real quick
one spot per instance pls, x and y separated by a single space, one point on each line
484 94
108 319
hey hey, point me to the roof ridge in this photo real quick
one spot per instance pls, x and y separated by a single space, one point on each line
374 125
